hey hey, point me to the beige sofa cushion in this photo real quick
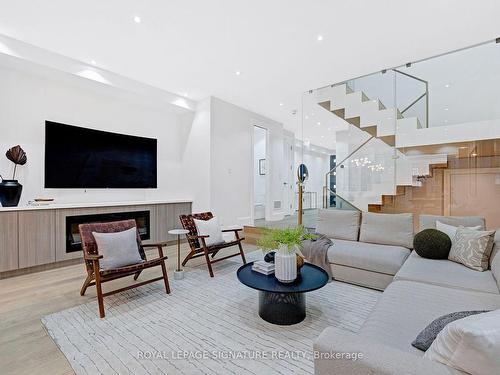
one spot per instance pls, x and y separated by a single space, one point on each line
387 229
341 224
406 308
357 276
384 259
429 221
446 273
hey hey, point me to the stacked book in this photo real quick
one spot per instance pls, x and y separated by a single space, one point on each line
262 266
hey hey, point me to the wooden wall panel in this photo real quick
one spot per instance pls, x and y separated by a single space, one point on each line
9 249
473 192
168 218
36 238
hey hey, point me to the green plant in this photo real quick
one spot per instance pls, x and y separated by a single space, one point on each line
290 237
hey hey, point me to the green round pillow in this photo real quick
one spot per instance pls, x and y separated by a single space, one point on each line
432 244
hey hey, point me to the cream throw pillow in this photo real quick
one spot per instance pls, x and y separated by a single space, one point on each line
472 248
210 228
451 230
118 249
471 344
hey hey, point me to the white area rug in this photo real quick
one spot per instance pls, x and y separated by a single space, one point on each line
206 326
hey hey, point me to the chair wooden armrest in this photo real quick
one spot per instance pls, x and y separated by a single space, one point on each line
92 257
156 244
195 237
159 246
232 230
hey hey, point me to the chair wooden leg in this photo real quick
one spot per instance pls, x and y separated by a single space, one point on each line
242 253
209 264
100 299
187 258
136 275
86 284
165 277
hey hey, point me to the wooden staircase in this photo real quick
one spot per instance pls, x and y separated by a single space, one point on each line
389 200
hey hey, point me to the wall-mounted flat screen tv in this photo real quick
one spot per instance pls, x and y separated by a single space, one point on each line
77 157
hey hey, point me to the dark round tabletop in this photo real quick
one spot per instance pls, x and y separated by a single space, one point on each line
310 278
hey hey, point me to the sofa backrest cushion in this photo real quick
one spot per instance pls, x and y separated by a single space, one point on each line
387 229
429 221
495 258
339 224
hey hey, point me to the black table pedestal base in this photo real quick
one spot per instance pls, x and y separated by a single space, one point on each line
282 308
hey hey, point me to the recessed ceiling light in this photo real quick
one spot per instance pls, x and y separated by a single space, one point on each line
307 117
137 19
281 104
446 109
319 123
447 85
93 62
319 38
237 73
322 136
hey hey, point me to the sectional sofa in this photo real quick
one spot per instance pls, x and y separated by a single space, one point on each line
416 291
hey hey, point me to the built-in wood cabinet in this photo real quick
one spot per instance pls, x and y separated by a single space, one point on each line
9 255
33 237
167 218
37 234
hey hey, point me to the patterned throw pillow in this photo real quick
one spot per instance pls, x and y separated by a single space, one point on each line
472 248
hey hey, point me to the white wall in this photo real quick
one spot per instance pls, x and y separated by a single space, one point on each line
231 130
27 100
205 155
196 155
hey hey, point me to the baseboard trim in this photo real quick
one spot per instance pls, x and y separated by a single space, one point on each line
65 263
40 268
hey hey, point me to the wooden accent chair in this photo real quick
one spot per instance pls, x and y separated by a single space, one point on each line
96 276
198 245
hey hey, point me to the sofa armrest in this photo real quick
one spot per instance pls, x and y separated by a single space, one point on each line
341 352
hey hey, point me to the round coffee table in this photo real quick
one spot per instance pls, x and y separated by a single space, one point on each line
279 303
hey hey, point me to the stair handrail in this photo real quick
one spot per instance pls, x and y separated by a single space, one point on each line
328 190
325 197
425 94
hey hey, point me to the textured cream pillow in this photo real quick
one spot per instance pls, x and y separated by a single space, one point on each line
118 249
451 230
472 248
210 228
471 344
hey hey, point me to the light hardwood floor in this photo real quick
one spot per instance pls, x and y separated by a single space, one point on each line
25 347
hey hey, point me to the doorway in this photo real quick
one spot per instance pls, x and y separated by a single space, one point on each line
260 171
288 177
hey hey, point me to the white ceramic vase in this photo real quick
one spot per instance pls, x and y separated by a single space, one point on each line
285 263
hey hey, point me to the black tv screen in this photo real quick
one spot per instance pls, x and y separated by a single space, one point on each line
78 157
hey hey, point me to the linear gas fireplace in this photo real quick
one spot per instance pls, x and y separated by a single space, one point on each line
73 242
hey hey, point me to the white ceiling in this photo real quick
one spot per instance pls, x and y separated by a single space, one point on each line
194 47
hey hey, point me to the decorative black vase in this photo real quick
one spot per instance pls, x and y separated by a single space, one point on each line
10 193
